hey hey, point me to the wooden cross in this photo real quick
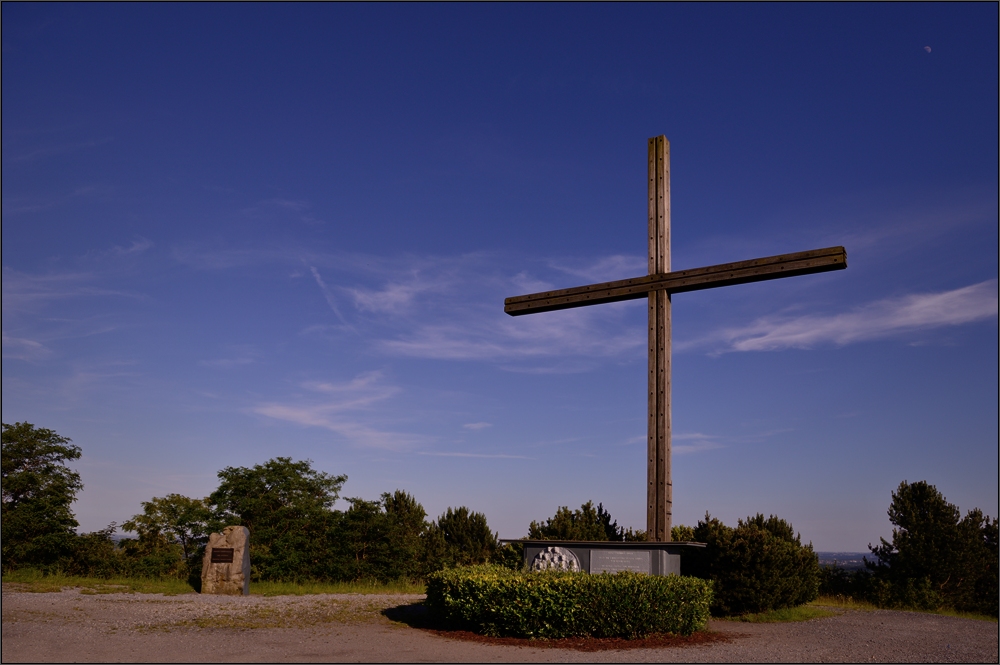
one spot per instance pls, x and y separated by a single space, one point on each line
658 286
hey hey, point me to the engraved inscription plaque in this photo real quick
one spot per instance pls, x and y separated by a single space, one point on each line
613 561
222 555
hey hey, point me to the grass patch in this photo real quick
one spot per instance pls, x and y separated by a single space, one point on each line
961 615
311 588
34 581
786 615
844 603
848 603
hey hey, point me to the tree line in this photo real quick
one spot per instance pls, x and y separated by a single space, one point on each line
296 534
935 558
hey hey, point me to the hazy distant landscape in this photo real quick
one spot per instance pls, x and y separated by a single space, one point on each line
846 560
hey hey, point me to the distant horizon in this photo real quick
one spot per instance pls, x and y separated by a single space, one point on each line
238 232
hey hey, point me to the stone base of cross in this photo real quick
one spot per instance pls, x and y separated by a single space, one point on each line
657 287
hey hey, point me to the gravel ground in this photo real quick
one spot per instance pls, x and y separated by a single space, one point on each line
76 626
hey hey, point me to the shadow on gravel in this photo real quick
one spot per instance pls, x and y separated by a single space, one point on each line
415 615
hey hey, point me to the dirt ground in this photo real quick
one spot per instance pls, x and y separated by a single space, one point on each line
75 626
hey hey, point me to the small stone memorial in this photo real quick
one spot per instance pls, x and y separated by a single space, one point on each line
225 569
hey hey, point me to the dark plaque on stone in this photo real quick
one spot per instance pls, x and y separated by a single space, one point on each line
222 555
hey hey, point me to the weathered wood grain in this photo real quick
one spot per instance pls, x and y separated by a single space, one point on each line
659 489
658 287
695 279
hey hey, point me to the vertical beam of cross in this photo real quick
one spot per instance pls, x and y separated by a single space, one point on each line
657 287
659 491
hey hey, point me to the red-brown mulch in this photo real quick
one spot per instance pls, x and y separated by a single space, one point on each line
658 641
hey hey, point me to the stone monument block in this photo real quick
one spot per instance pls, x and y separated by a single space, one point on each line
225 569
651 558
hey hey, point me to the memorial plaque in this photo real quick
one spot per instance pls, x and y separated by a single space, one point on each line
613 561
222 555
225 567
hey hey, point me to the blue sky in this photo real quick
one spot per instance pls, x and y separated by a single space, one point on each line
232 232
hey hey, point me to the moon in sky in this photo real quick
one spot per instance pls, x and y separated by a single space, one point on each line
927 48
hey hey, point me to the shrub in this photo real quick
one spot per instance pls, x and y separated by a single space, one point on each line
376 540
497 601
510 556
760 565
459 537
587 523
936 559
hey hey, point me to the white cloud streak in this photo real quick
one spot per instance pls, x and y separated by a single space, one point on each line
493 337
475 455
326 293
695 443
396 297
450 308
19 348
22 291
877 320
337 407
606 269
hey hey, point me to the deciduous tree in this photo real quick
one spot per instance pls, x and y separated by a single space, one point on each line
38 527
173 518
287 506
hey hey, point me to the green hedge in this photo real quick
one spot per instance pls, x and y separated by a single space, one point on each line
497 601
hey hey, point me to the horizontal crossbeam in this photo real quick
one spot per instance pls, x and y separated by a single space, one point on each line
726 274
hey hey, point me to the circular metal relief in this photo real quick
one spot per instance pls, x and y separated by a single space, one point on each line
556 558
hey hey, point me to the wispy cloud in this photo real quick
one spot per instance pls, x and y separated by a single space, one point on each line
19 348
606 269
330 300
51 149
475 455
21 290
290 204
239 356
137 247
450 308
297 207
694 442
227 362
477 426
118 253
396 297
880 319
340 408
491 337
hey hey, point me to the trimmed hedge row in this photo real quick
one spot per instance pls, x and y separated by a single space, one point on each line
497 601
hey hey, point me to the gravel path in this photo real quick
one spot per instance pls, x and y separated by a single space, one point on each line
76 626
